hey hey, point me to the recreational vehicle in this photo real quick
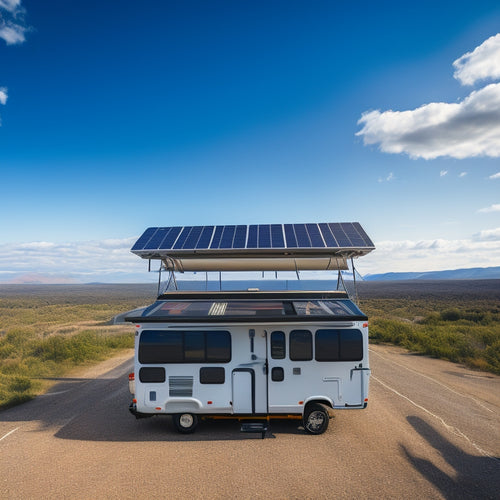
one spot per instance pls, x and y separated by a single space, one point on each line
251 353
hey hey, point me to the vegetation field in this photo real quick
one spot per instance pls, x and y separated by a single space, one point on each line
47 330
454 320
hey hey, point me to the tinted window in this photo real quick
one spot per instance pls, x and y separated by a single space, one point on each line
338 345
278 345
212 375
300 345
327 345
158 346
218 347
194 347
351 345
156 374
277 374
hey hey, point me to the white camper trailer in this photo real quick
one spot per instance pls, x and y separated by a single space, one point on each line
251 353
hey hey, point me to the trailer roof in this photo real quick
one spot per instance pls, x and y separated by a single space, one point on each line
246 307
255 247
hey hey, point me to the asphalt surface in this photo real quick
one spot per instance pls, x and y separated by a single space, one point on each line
431 430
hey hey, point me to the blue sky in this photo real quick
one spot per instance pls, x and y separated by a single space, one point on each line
116 116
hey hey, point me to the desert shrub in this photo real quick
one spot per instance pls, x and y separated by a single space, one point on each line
450 315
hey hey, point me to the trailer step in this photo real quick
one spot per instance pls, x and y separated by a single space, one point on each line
261 427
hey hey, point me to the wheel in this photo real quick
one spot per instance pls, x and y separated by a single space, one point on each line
316 418
185 422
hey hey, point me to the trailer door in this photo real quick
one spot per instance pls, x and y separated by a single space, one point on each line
243 380
249 376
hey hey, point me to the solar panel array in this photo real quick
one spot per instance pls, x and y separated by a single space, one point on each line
188 239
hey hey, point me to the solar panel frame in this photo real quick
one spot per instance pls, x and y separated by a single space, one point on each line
156 240
255 241
315 236
253 235
368 242
144 238
240 237
216 237
277 238
265 236
328 237
302 236
192 239
179 242
291 239
339 233
227 237
205 237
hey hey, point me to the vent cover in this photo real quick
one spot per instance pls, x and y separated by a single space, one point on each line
180 387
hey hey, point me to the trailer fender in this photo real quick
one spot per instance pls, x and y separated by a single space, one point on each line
184 405
321 400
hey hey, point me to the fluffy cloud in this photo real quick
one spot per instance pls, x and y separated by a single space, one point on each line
483 62
459 130
495 176
12 26
93 259
481 250
488 235
11 6
492 208
3 95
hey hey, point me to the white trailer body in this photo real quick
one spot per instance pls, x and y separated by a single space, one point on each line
251 353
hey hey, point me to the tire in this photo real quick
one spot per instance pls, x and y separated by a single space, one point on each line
185 423
316 418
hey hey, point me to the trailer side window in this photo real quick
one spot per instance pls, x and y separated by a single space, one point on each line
327 345
338 345
194 347
278 345
351 345
300 345
160 346
209 375
152 374
218 347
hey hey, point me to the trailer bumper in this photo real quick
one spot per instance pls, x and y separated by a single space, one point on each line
132 408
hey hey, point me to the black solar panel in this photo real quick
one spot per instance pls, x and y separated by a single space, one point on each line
310 237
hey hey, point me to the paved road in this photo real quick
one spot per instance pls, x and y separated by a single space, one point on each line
431 431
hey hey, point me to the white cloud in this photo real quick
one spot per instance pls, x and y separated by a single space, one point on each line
85 257
12 25
488 235
389 178
10 5
443 173
483 62
465 129
495 176
462 174
3 95
481 250
12 33
492 208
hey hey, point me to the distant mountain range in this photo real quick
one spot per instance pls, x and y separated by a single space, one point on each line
39 279
475 273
